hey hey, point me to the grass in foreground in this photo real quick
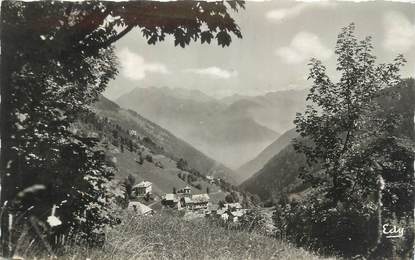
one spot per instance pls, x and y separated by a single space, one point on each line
165 236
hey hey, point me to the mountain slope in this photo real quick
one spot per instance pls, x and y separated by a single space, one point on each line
253 166
163 141
279 174
229 136
163 173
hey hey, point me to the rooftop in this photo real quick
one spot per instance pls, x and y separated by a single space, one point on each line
139 207
199 198
235 205
143 184
187 200
170 196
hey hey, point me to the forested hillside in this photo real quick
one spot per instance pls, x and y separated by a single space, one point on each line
278 176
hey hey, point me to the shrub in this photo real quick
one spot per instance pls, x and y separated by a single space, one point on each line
182 164
149 158
229 198
140 159
348 230
148 140
253 220
159 164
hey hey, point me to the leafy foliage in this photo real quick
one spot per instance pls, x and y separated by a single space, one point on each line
358 165
56 60
182 164
128 184
232 197
253 220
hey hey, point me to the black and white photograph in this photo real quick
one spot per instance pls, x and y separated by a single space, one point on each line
274 129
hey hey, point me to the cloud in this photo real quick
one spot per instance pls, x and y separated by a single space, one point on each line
399 32
280 14
356 1
285 13
214 72
303 46
404 1
312 1
134 67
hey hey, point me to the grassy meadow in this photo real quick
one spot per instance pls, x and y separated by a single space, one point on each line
168 236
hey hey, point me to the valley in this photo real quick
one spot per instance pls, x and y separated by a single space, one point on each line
232 131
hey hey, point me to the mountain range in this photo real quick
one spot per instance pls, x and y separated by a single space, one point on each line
231 130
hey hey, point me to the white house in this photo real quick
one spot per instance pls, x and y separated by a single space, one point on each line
143 188
185 192
196 202
171 200
132 132
232 206
200 201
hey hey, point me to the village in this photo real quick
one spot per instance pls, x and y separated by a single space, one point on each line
143 202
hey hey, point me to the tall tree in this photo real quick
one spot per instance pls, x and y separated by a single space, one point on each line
337 119
56 59
129 183
352 140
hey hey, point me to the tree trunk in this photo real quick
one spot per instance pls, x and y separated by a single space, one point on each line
379 233
8 157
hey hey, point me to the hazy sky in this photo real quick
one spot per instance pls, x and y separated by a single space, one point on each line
279 38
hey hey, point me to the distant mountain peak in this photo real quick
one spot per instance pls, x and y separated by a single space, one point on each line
176 92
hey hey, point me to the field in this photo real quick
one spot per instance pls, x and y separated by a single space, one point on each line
167 236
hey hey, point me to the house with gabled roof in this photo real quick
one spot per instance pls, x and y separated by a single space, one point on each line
196 202
185 192
200 201
132 132
171 200
143 188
